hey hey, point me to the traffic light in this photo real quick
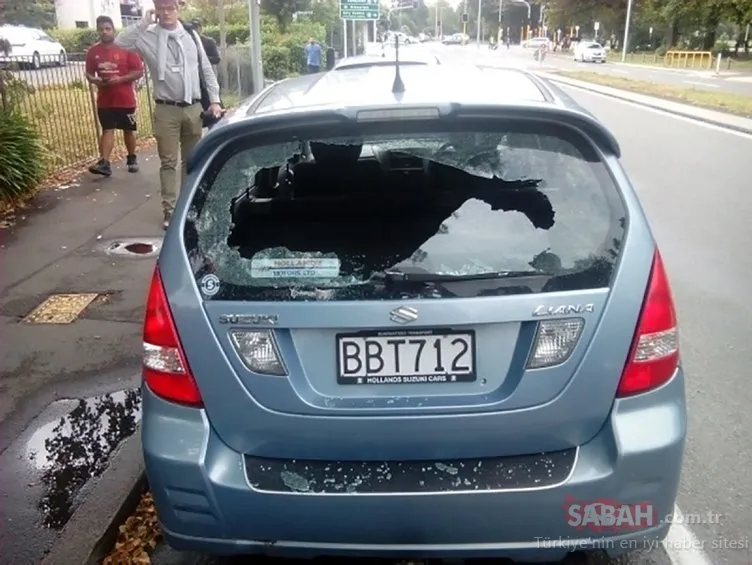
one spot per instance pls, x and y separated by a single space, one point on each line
465 18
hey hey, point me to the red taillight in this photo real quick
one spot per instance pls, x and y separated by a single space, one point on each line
166 370
654 355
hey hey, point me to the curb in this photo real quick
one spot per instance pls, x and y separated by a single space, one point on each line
616 93
93 528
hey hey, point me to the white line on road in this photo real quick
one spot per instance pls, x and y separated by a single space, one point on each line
698 83
699 123
682 546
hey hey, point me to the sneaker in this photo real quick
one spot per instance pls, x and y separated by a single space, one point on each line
166 223
102 167
132 164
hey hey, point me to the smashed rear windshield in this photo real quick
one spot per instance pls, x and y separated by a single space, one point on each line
405 215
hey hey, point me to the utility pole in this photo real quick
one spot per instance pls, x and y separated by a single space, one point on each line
499 33
222 42
477 34
436 21
626 32
254 26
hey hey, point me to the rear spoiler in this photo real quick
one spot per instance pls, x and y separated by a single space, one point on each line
289 122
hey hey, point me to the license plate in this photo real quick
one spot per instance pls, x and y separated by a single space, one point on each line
409 357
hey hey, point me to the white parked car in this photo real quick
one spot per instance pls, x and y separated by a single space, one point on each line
536 43
31 47
589 51
403 38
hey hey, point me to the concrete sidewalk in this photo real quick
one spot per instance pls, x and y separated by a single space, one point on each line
75 358
721 119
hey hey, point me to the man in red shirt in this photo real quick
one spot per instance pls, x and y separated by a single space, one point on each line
114 70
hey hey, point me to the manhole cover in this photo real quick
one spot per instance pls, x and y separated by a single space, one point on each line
132 247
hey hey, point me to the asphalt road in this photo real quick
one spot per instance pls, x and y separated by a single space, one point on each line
47 76
738 83
694 182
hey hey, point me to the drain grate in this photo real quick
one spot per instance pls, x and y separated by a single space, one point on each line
60 308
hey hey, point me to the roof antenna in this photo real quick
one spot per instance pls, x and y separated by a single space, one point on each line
398 87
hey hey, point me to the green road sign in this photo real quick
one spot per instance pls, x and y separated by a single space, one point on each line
359 9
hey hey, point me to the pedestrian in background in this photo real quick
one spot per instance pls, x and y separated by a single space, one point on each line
114 71
313 56
210 46
180 70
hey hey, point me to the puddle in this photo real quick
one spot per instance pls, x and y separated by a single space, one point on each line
70 451
133 247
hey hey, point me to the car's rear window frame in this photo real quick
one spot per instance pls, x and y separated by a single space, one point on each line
590 152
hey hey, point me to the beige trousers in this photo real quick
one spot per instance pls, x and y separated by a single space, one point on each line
177 131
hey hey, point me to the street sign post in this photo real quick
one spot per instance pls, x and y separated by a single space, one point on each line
597 26
359 10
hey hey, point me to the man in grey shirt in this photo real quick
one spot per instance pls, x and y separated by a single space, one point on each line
173 56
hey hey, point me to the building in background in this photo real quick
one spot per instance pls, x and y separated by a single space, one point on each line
84 13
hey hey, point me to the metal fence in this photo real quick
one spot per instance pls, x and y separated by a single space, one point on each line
61 105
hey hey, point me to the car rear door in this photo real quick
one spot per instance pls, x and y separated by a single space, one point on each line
331 316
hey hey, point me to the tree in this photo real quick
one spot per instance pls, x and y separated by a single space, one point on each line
236 11
283 10
32 13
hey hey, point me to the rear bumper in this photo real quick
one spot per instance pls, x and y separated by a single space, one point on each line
205 502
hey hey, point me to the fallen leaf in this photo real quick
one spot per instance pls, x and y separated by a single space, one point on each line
138 536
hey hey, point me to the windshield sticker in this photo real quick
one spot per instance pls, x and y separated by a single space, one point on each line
209 285
295 268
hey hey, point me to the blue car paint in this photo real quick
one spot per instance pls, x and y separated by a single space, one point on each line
628 449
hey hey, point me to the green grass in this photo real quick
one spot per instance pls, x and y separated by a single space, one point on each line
732 103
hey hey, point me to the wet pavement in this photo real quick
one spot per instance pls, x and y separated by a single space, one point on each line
76 267
45 473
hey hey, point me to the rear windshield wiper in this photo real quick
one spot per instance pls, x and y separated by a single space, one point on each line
399 276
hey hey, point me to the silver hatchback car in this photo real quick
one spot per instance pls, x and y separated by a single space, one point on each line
411 315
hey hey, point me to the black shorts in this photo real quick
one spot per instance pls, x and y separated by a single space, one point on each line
117 118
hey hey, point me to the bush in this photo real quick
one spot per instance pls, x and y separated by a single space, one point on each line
21 163
276 61
75 40
13 90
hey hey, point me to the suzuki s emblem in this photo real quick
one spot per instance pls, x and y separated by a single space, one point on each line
564 310
403 315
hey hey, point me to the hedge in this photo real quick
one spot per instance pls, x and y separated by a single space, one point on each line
21 167
282 54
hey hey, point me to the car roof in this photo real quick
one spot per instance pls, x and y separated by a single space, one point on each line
424 84
514 91
387 58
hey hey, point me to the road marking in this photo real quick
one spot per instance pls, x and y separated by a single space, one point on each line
60 308
740 79
696 122
698 83
682 546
